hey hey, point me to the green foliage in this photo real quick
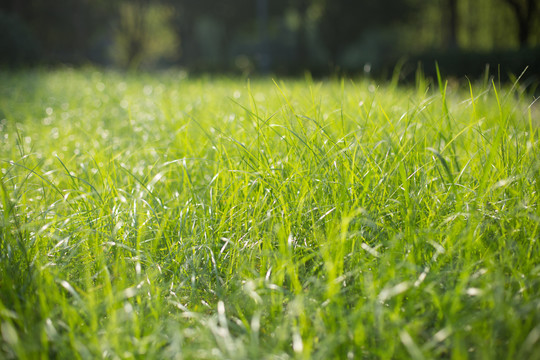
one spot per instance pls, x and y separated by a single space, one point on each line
17 45
317 35
162 216
143 37
345 21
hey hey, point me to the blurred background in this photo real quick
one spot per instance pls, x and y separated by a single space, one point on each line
285 37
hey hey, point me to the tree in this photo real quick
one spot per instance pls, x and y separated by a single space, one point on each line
302 50
453 24
344 21
132 26
65 29
232 16
525 12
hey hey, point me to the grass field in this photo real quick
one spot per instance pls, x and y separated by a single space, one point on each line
163 216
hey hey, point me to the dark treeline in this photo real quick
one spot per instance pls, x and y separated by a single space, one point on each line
284 36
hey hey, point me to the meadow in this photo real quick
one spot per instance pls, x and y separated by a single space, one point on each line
154 216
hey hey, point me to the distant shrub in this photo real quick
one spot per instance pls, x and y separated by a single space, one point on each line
18 46
508 64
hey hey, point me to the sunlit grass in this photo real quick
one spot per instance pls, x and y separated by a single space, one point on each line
162 216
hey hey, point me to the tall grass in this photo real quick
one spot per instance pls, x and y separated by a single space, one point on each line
172 217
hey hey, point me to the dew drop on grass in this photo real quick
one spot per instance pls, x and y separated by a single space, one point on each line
50 329
256 323
298 345
9 334
474 292
147 90
367 68
128 308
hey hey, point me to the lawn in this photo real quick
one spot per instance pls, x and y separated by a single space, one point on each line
158 216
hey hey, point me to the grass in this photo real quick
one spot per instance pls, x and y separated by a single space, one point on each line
162 216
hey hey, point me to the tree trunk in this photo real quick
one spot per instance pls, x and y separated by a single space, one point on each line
453 24
262 20
301 39
524 16
188 45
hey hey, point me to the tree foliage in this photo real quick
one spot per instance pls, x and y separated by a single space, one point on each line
344 21
307 33
526 12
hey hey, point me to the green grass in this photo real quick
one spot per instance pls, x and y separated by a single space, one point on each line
162 216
